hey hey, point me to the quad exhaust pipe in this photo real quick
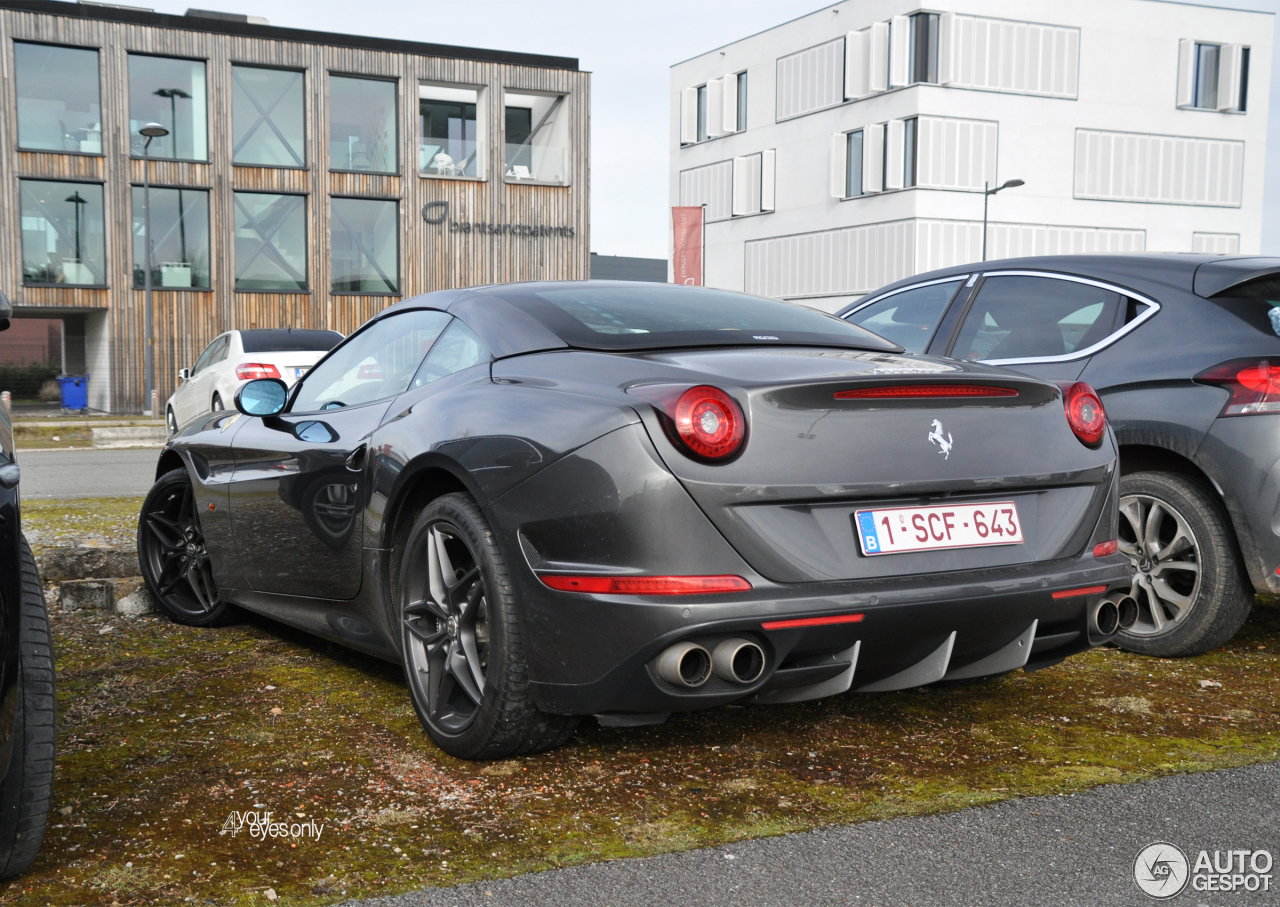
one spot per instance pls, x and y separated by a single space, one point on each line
689 665
1114 614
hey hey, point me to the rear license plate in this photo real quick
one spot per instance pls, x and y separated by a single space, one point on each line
895 530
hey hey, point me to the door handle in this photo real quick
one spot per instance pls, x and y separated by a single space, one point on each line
355 459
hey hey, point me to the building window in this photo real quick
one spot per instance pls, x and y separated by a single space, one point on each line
742 101
180 248
537 134
702 113
172 93
853 164
365 253
62 233
910 136
1244 80
448 131
362 125
270 242
59 105
268 126
1204 93
924 47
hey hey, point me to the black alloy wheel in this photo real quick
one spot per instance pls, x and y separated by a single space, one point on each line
463 658
1189 583
172 554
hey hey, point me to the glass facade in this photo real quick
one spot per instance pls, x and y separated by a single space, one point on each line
1205 92
59 100
268 127
853 164
365 252
180 244
362 125
173 93
447 131
62 233
270 241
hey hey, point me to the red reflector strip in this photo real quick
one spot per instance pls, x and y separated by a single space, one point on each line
1076 593
647 585
812 622
909 391
1102 549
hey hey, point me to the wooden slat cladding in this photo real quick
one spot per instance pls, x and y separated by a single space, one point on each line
61 166
270 179
65 297
371 184
171 173
526 237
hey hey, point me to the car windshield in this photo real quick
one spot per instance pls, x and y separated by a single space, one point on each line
616 317
289 341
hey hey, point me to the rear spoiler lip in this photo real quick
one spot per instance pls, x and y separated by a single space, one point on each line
1210 281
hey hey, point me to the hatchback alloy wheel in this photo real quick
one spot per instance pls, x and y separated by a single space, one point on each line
447 623
1163 550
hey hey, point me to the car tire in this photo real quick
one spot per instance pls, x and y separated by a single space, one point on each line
1192 591
215 405
173 557
27 789
170 421
463 655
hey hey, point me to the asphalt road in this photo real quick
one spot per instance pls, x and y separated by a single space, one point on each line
1063 851
86 473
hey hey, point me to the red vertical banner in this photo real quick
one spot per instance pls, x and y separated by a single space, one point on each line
686 257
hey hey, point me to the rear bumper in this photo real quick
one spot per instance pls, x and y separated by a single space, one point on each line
1242 456
912 631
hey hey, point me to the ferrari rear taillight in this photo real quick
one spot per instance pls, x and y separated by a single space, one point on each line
647 585
1085 414
920 391
249 371
709 422
1254 385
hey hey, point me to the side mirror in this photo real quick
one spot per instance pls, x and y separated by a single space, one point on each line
6 312
262 397
184 374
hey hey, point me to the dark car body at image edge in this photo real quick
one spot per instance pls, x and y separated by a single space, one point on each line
563 443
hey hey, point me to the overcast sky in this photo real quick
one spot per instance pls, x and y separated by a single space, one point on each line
628 48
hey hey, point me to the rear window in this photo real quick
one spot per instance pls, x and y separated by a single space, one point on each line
657 317
287 341
1256 302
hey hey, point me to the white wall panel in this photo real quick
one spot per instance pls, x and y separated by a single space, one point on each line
1133 167
857 60
1215 243
712 186
1014 57
899 52
1015 240
747 173
811 79
956 154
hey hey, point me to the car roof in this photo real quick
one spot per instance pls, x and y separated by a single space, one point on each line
1144 272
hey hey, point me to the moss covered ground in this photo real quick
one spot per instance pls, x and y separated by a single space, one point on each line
166 730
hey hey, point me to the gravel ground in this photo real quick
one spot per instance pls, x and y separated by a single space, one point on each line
1061 851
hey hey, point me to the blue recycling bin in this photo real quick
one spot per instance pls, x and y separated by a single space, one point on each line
75 391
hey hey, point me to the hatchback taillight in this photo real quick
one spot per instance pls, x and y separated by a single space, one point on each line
249 371
1085 414
1254 385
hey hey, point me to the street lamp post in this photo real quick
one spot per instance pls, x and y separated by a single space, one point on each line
76 200
987 192
151 131
173 94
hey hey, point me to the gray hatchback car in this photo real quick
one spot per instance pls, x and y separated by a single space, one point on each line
1185 353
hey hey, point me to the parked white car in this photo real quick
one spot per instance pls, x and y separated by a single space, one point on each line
235 357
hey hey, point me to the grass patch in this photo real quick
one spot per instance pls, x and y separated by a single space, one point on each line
108 521
165 730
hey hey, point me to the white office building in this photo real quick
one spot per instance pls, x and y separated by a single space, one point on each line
851 147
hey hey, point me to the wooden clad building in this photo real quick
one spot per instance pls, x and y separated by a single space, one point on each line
308 179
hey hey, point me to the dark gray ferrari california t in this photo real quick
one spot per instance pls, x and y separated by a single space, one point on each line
550 500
